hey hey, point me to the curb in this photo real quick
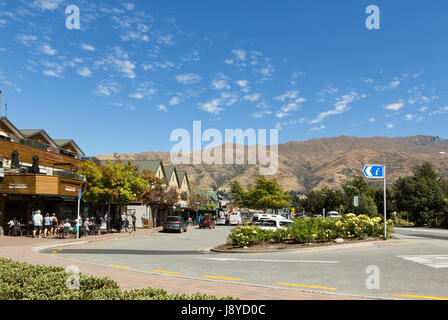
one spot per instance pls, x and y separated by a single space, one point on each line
329 247
65 244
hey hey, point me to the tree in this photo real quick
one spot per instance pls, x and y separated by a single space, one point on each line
198 201
267 194
391 202
238 195
356 187
158 195
421 195
367 206
111 183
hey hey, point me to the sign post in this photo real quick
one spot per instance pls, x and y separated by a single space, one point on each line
79 208
378 172
356 201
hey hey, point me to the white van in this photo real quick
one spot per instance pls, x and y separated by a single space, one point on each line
235 218
259 217
274 224
333 215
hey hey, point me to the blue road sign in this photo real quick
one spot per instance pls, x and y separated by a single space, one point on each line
373 171
79 194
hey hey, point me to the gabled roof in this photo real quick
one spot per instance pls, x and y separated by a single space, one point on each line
61 143
29 133
12 127
181 175
170 170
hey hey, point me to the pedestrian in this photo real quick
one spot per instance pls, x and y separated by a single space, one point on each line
134 220
37 221
47 225
124 219
54 224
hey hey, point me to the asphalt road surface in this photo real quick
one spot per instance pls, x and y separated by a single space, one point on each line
415 266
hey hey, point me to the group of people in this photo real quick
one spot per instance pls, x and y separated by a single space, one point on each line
49 226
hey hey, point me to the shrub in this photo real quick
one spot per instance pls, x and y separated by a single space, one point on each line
313 230
22 281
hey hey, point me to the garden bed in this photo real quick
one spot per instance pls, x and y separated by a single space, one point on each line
291 245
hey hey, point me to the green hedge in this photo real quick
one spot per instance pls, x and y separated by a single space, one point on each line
22 281
312 230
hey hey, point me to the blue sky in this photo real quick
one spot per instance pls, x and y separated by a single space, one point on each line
136 71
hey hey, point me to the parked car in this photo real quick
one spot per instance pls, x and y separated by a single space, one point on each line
221 221
332 215
235 219
275 224
175 223
206 223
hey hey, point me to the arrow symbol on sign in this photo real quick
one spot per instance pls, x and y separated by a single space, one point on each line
368 171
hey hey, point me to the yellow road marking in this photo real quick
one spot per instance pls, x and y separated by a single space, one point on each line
304 286
118 266
168 272
222 278
353 248
418 297
306 251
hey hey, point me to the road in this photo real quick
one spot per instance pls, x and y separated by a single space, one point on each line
412 267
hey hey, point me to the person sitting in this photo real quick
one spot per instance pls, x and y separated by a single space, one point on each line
66 228
103 226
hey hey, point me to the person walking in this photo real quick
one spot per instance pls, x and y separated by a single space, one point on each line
54 224
37 221
47 225
124 219
134 220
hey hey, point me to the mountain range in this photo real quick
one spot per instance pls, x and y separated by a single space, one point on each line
312 164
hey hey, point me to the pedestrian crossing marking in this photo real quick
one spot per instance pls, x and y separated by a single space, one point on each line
434 261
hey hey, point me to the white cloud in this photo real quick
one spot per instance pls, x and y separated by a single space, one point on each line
409 117
423 109
119 61
321 127
239 54
174 101
87 47
281 114
46 4
47 49
340 107
252 97
221 83
106 90
367 80
389 125
162 107
212 106
440 111
261 114
52 69
26 39
129 6
188 78
372 120
395 106
143 90
84 72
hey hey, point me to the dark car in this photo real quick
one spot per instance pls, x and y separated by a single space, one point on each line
206 223
175 223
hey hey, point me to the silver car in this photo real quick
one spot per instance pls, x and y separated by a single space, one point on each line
175 223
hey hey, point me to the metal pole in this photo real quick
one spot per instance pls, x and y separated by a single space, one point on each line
385 224
79 207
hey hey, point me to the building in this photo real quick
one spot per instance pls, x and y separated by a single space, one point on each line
37 173
178 180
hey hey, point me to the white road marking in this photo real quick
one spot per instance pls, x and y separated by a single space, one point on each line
434 261
268 260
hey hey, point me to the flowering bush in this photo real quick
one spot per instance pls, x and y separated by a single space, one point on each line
313 230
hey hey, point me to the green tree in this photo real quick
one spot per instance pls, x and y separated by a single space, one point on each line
237 194
267 194
356 187
367 206
421 195
391 202
111 183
